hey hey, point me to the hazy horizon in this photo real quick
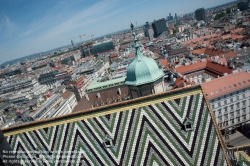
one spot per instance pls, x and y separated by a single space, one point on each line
30 27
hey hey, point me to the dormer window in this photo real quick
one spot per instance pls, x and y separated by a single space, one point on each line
98 95
107 141
188 124
119 91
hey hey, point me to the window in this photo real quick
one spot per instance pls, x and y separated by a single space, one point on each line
244 117
232 107
243 95
238 104
220 118
232 114
225 101
244 110
98 95
219 111
119 91
238 112
226 117
219 104
238 119
225 110
232 100
188 124
232 121
237 98
107 141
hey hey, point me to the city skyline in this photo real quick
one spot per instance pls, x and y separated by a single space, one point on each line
37 26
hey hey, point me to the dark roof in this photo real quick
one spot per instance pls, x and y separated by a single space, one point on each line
213 52
217 69
110 95
178 51
3 105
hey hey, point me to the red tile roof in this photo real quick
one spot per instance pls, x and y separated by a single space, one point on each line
163 62
237 37
112 55
213 52
226 84
199 51
131 55
66 94
230 54
19 112
192 67
216 69
180 82
236 30
209 36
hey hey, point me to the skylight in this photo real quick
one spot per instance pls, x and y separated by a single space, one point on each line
244 82
220 90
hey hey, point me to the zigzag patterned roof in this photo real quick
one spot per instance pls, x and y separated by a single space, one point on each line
144 131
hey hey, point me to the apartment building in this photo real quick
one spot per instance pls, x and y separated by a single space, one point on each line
229 99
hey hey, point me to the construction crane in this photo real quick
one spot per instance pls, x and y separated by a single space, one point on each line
90 36
77 36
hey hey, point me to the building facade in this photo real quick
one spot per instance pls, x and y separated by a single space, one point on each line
243 6
229 99
159 26
17 85
151 34
200 14
146 27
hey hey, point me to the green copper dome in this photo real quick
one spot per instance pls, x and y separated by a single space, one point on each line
142 70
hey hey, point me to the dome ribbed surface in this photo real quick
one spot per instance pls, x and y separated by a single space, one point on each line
142 70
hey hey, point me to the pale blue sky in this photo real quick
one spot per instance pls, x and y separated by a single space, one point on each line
32 26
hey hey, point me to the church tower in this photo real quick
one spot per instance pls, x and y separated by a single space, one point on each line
144 77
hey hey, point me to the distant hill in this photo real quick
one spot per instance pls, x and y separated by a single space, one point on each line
30 56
